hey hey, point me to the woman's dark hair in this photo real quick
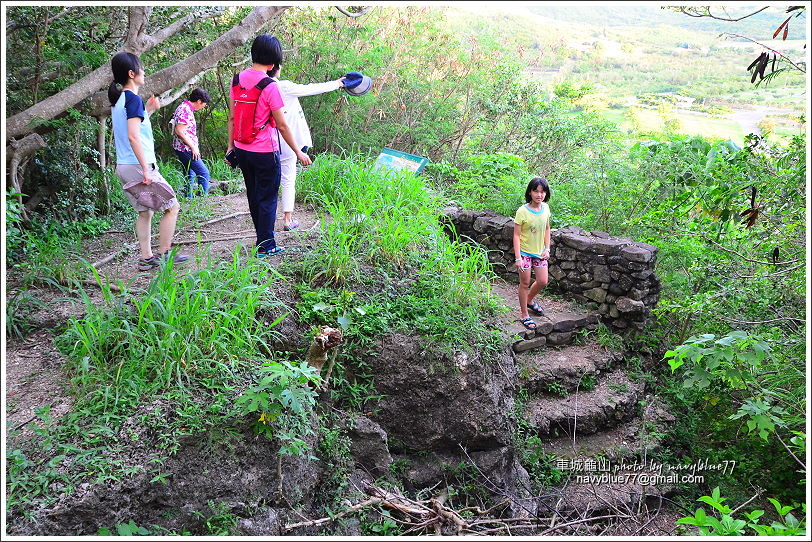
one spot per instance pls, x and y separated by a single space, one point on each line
266 50
534 183
199 94
121 64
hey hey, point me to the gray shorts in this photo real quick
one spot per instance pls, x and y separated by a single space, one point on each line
132 173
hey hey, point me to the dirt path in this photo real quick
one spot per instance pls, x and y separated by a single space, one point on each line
123 267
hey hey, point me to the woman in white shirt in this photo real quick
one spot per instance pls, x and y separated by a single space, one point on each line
294 116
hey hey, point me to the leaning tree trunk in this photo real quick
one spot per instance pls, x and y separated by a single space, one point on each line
136 42
18 152
203 60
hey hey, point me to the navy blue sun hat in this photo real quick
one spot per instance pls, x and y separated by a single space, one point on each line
356 83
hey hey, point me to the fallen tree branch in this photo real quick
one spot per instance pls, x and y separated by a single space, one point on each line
480 512
232 215
193 241
438 503
125 248
321 521
398 502
112 287
583 520
114 255
219 232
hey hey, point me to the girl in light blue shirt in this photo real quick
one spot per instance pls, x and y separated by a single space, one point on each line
143 184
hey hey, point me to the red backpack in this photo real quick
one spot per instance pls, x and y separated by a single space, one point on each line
245 106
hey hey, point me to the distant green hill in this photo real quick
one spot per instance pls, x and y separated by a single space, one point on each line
622 50
758 27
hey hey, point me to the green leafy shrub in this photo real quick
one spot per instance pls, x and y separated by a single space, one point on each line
14 215
489 181
733 359
51 253
727 525
284 399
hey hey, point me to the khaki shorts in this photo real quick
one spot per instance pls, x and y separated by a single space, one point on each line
132 173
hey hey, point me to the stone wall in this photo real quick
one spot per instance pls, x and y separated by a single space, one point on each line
612 275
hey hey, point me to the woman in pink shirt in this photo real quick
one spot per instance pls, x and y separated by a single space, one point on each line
259 160
185 142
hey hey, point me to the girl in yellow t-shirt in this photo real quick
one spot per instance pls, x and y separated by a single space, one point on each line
531 244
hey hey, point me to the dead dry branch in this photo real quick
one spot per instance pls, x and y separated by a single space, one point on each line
220 219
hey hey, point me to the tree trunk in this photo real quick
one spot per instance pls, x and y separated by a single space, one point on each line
138 42
101 143
18 152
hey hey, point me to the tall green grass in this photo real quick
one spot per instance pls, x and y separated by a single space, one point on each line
387 219
183 334
383 264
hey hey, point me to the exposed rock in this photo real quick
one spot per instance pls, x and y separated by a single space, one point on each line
198 473
624 304
264 523
369 448
522 346
430 404
637 254
570 321
559 337
596 294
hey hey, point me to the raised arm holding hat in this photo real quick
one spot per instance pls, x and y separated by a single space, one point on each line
357 84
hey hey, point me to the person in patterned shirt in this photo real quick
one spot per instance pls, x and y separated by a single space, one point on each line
185 141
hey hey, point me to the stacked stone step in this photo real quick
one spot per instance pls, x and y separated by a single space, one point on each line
637 439
582 396
611 402
601 436
553 329
566 370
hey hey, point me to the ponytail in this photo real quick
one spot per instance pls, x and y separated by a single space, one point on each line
113 93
